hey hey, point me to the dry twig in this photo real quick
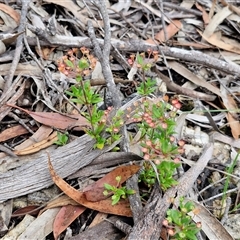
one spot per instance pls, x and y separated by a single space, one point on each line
103 55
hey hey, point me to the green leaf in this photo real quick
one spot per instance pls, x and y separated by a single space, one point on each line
83 64
120 192
69 63
139 59
175 215
100 145
115 199
189 206
191 235
78 78
130 191
108 186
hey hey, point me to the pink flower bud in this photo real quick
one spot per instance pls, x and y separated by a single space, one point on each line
146 157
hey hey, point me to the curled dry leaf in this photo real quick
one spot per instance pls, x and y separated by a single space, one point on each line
41 134
33 210
122 208
38 146
94 192
232 116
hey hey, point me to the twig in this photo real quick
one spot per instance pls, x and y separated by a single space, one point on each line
139 46
225 215
163 21
11 96
185 91
32 54
7 151
103 55
135 199
19 45
130 24
20 121
219 195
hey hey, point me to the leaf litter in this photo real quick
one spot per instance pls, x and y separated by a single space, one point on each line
177 31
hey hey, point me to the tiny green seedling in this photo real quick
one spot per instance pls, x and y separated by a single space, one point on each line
62 139
179 224
117 191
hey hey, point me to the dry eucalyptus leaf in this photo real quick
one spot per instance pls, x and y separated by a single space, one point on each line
66 215
122 208
11 12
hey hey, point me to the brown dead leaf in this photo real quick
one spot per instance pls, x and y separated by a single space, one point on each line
59 202
210 225
41 134
31 210
12 132
99 218
65 217
94 192
11 12
11 38
122 208
45 52
205 15
193 44
76 10
180 69
171 30
231 7
229 102
232 116
234 125
57 120
217 19
215 39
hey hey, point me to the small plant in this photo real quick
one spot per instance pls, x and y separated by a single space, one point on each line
157 125
62 139
164 172
103 131
180 224
117 191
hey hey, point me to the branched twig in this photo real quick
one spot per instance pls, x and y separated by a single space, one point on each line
103 55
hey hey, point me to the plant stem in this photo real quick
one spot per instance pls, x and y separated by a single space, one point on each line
87 104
